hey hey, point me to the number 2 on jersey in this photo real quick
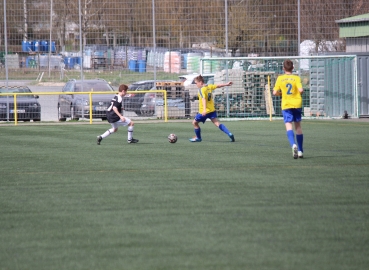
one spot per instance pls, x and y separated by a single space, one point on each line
289 88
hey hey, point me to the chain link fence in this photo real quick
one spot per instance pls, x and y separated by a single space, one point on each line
59 40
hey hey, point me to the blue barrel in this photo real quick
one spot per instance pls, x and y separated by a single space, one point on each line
44 46
73 61
141 66
30 48
53 47
36 46
78 60
69 62
25 46
132 65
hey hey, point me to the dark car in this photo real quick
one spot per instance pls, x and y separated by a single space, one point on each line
133 101
75 105
28 107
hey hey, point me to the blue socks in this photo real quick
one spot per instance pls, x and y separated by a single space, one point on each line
224 129
221 127
300 140
291 137
198 132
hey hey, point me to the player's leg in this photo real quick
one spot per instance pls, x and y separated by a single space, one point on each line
288 119
128 122
130 133
114 128
198 118
222 128
290 134
299 134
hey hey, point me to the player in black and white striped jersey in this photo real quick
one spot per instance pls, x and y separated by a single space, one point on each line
115 117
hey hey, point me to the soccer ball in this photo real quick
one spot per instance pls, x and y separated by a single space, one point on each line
172 138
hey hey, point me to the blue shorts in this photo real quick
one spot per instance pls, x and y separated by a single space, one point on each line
291 115
200 118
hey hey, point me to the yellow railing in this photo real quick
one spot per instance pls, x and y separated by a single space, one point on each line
79 93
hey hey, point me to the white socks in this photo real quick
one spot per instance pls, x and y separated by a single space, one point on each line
130 133
110 131
107 133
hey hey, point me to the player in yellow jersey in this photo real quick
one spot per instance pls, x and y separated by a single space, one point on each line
207 109
290 88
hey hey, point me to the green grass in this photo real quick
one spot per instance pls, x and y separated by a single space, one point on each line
67 203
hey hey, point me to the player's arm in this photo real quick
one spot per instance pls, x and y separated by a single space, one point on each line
277 93
223 84
277 89
115 109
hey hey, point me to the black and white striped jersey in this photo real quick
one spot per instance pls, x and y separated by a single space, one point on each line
115 102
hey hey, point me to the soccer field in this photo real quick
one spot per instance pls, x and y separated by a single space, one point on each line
67 203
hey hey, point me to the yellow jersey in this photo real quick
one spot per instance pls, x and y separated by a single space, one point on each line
289 86
207 92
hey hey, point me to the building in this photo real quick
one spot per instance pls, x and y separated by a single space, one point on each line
356 32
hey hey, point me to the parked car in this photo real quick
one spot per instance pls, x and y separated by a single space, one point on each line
151 100
176 97
134 101
74 105
189 79
28 107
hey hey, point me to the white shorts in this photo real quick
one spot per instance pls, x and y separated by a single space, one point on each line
121 123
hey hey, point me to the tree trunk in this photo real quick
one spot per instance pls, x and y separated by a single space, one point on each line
25 24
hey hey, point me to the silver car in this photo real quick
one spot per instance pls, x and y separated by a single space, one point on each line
75 105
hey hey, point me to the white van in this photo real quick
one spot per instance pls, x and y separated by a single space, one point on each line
189 79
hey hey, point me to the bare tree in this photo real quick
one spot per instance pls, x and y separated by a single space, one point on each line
91 11
266 27
25 27
61 17
318 21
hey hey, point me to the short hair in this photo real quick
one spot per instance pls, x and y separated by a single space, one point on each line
288 65
123 87
199 79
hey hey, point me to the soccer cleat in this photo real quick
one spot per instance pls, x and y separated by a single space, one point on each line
195 139
231 136
132 141
99 139
300 154
294 151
